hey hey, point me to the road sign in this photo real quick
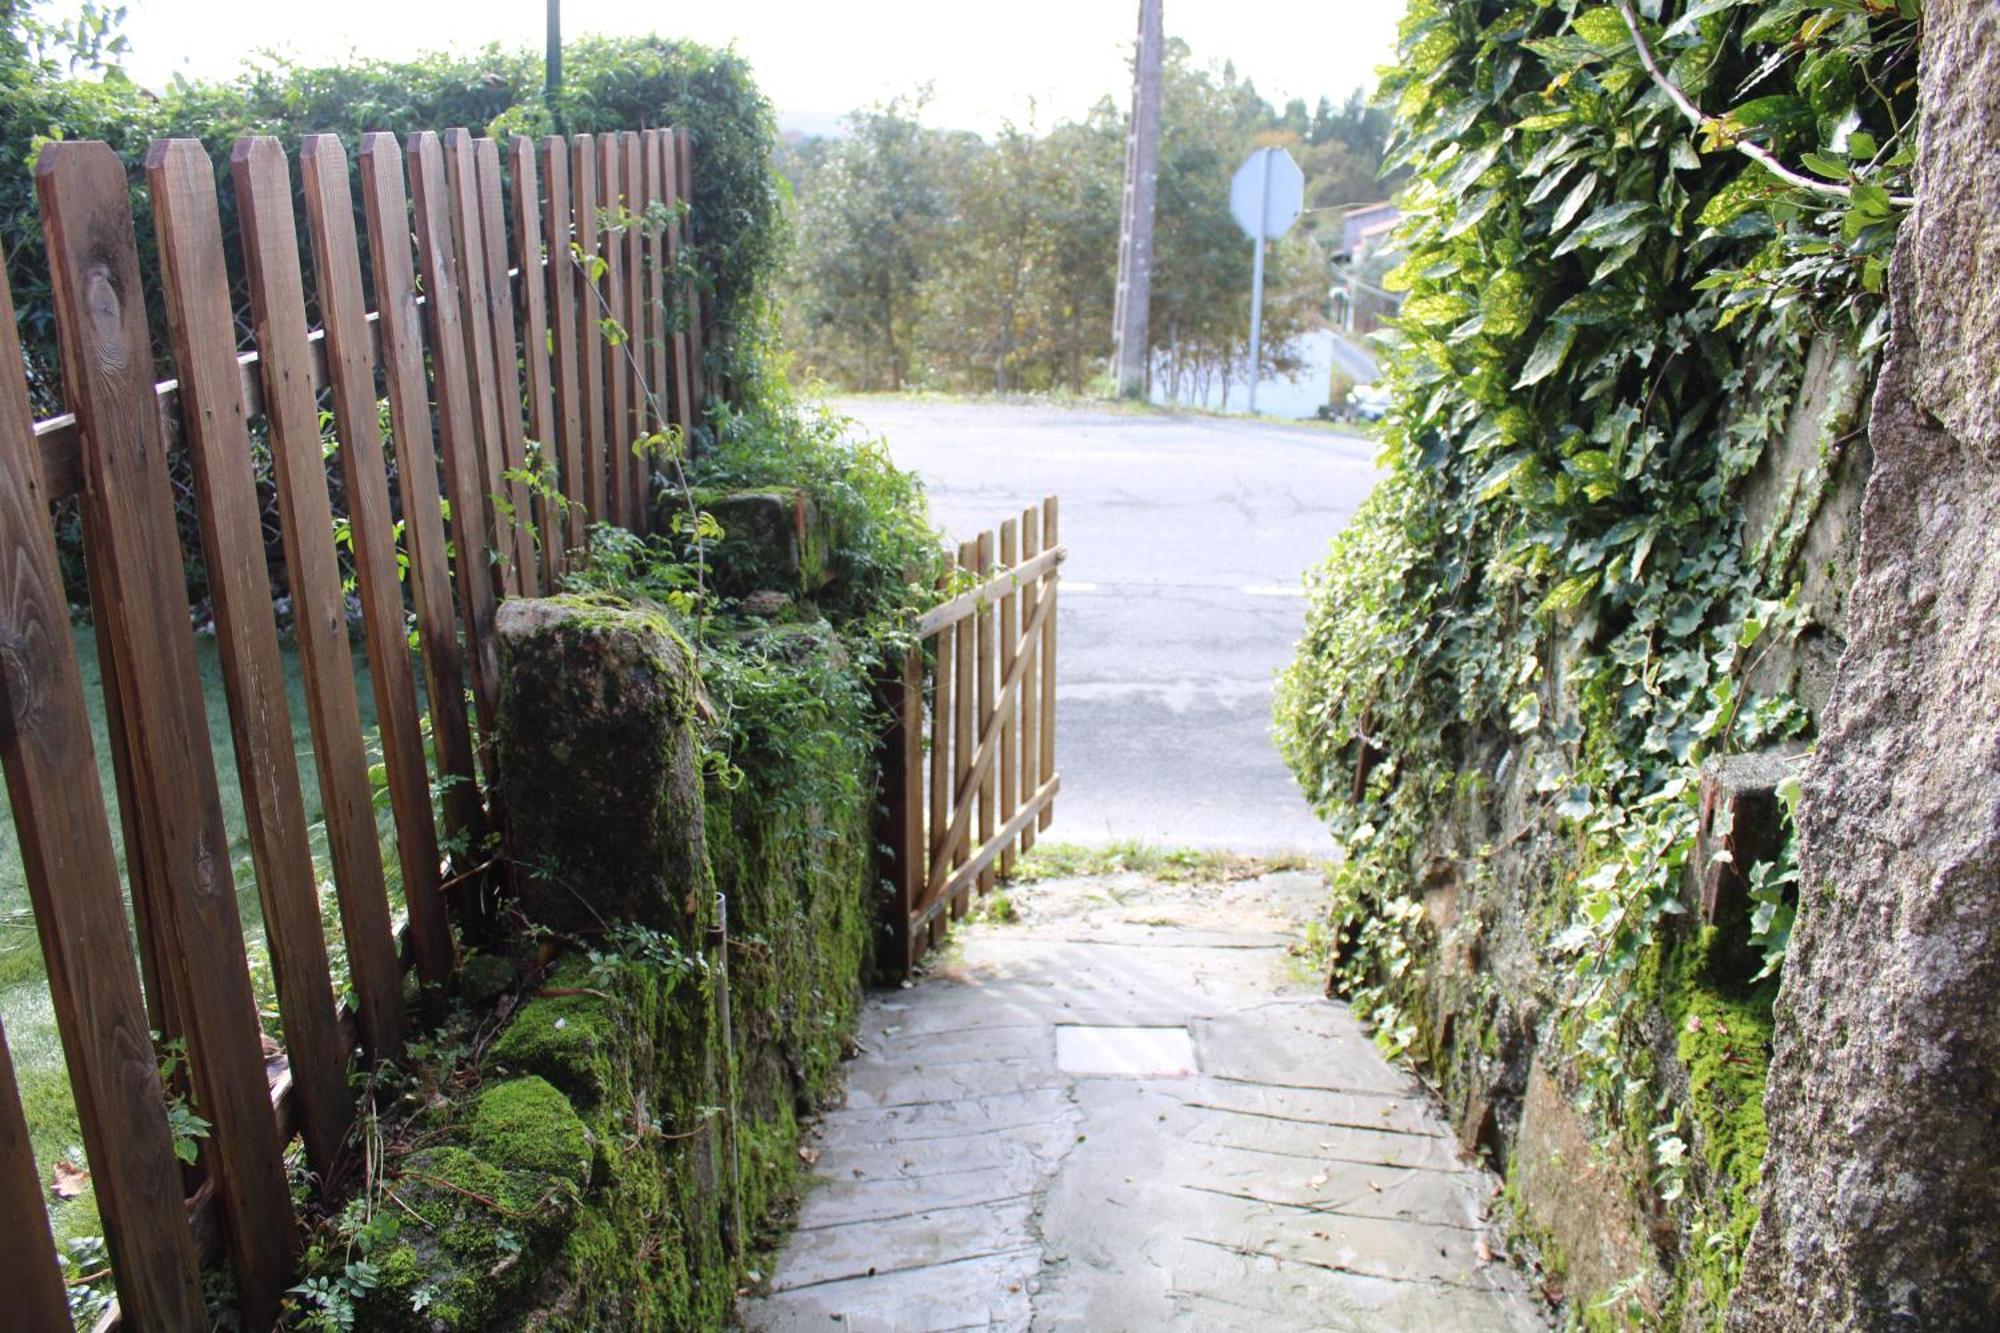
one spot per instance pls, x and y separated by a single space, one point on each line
1266 206
1265 199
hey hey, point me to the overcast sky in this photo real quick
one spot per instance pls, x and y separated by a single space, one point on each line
987 61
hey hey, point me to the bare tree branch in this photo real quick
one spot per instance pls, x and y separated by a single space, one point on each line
1755 152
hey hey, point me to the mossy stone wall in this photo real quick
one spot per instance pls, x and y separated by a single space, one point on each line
629 1147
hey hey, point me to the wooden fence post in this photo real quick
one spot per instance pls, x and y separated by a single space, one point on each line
944 668
72 874
1051 538
101 319
1031 681
902 765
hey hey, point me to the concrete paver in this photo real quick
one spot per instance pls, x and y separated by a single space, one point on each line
1292 1180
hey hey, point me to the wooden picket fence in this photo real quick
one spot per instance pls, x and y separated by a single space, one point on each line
960 814
515 337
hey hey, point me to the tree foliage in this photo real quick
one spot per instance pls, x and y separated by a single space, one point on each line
936 258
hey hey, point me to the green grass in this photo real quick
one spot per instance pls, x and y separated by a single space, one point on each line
25 1006
1174 865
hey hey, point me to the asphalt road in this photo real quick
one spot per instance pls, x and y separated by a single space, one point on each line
1180 600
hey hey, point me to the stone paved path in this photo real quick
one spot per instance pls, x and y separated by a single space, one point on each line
1266 1170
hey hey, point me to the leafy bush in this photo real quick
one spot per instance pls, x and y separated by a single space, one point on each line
1609 309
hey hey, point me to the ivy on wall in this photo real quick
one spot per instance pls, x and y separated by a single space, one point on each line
1610 301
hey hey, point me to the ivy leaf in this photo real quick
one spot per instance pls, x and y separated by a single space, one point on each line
1573 202
1501 474
1547 358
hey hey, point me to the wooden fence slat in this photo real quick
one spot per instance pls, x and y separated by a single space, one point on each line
618 431
658 335
683 392
371 519
988 623
535 358
28 1265
323 161
1051 540
944 666
72 873
475 315
1031 679
964 724
697 369
519 527
463 467
563 330
181 181
102 325
1009 634
163 1001
635 323
278 311
590 307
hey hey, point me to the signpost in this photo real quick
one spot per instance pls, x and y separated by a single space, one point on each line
1265 198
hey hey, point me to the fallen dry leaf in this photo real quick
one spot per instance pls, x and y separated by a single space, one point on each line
68 1180
1317 1180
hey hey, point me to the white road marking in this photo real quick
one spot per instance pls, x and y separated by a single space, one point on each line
1274 590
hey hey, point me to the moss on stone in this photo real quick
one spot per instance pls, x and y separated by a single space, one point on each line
479 1235
526 1124
564 1039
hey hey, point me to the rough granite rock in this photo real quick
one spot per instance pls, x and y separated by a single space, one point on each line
1881 1189
601 765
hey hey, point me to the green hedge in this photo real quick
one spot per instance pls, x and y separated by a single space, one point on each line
1607 319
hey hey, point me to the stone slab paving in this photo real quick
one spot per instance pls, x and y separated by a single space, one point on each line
1292 1179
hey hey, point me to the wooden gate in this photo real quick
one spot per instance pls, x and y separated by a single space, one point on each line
963 812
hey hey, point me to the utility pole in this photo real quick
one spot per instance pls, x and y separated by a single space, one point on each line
552 84
1130 346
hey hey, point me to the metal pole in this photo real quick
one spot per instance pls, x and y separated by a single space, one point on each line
1257 273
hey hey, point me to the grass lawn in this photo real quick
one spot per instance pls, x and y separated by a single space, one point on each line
24 994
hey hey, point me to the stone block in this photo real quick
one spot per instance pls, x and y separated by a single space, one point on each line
771 540
601 766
